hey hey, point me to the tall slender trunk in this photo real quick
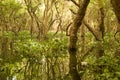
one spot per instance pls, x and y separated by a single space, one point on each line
73 40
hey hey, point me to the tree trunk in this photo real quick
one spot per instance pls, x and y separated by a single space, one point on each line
73 40
116 7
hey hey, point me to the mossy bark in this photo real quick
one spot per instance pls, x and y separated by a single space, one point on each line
116 7
73 39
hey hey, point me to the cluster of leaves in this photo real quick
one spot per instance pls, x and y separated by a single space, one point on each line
107 66
25 48
9 8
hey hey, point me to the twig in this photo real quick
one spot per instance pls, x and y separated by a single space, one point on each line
75 3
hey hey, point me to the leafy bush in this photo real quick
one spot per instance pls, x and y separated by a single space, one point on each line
31 53
106 67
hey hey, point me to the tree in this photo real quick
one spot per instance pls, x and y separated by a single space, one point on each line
116 7
73 39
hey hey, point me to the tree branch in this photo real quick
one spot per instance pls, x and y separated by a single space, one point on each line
73 11
73 1
94 32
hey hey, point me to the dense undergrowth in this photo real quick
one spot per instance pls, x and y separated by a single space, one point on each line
25 58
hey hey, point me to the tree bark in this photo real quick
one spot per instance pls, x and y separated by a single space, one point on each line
73 40
116 8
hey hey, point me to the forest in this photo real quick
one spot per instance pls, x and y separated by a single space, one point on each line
59 39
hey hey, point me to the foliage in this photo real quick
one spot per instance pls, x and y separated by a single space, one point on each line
107 66
27 49
33 44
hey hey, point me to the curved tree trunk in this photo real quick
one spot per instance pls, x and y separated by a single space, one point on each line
116 7
73 39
